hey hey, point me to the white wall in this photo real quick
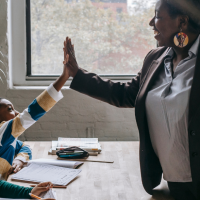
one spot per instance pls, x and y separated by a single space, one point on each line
73 114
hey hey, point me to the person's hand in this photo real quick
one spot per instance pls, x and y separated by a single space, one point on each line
16 166
70 62
42 187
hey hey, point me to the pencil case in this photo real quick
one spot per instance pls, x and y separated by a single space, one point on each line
72 153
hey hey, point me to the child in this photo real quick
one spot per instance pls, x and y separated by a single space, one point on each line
9 190
13 124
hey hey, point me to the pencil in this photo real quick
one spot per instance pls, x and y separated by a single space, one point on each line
54 186
34 196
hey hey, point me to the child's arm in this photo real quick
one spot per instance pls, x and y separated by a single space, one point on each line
12 129
23 154
9 190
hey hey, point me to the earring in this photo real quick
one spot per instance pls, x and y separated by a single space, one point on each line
181 39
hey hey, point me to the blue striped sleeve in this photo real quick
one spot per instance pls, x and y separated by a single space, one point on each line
22 151
35 110
7 137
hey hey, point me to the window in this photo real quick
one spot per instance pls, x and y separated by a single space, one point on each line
111 42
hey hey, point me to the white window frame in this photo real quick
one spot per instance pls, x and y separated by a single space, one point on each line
18 51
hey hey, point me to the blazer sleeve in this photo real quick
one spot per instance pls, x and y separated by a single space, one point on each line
115 93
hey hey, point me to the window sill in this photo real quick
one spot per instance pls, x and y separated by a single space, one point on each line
35 88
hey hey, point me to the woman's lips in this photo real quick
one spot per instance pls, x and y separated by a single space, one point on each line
156 33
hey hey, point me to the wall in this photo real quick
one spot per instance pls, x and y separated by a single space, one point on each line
73 114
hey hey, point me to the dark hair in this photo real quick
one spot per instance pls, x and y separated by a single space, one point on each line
191 8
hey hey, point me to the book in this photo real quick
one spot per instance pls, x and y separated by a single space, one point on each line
55 162
87 144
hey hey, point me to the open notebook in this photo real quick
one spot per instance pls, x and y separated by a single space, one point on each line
60 163
38 172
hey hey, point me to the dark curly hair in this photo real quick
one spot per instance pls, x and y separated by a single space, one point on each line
191 8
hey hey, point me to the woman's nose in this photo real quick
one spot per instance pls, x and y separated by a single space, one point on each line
151 23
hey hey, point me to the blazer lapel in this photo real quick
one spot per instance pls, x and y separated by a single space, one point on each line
150 77
194 102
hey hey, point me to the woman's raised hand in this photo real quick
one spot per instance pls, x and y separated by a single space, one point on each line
69 58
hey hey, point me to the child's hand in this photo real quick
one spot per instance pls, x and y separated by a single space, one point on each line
42 187
16 166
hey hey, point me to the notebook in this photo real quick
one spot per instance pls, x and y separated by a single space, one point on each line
60 163
36 172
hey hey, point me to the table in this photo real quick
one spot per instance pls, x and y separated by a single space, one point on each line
104 181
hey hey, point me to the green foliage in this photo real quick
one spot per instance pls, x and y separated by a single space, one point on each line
103 44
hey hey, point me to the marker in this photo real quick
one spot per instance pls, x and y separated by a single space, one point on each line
34 196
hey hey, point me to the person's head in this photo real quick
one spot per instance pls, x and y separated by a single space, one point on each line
7 111
173 15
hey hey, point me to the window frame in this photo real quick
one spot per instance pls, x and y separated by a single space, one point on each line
20 49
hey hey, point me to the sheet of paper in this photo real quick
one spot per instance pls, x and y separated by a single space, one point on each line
51 194
79 142
61 163
43 172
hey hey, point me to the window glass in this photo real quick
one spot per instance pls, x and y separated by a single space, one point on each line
110 37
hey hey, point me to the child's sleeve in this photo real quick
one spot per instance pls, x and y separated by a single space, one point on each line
9 190
43 103
22 152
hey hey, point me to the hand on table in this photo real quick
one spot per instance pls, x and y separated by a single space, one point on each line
16 166
42 187
70 62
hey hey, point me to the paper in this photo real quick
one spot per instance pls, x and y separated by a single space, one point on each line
50 194
61 163
79 142
43 172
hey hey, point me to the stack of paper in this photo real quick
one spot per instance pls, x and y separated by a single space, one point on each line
88 144
36 172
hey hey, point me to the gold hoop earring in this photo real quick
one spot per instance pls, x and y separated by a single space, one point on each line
181 39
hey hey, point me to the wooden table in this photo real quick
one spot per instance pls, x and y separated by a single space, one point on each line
104 181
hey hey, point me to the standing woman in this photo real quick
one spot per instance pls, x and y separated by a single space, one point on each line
166 97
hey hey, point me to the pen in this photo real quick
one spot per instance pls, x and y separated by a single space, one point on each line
34 196
54 186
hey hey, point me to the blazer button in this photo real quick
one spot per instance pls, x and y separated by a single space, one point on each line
192 133
194 154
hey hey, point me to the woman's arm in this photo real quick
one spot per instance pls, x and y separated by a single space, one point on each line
117 94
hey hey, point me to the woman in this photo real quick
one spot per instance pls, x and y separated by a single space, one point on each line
166 96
